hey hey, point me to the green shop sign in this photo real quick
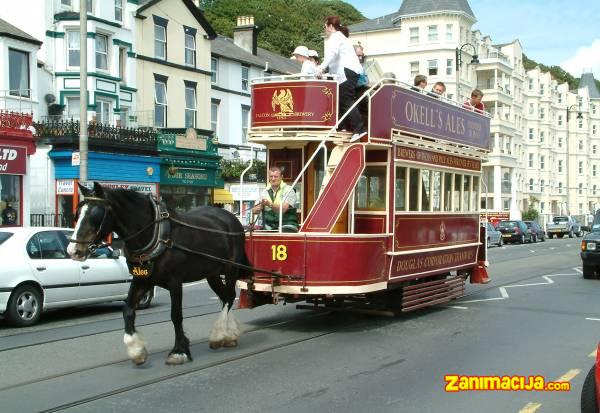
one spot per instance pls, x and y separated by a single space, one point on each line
186 141
175 175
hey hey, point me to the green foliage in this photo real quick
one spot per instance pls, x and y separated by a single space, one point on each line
231 170
558 72
283 25
531 214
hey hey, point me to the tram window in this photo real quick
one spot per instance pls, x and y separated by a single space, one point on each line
475 193
436 195
400 188
371 189
413 190
425 190
447 192
456 195
466 204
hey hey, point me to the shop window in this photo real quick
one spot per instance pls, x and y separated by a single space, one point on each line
371 189
10 196
184 198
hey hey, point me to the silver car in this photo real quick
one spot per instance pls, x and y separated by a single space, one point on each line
494 237
37 274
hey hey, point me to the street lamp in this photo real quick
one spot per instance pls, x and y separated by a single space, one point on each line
474 61
570 109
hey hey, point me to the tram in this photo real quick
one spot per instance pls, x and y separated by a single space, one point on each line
387 223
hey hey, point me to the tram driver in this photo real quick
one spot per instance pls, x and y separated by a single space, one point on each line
272 201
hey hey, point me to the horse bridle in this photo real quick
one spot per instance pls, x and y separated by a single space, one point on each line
92 244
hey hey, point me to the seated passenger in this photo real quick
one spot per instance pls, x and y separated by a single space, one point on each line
301 55
475 103
272 201
420 83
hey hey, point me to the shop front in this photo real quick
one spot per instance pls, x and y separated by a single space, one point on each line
189 168
16 145
138 173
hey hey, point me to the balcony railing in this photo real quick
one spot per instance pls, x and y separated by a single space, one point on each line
16 100
66 133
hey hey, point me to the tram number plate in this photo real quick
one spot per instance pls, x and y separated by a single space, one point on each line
279 252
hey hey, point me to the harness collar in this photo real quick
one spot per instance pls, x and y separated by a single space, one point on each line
160 240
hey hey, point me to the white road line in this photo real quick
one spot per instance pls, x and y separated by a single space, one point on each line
579 270
569 375
532 251
458 307
592 319
530 407
194 283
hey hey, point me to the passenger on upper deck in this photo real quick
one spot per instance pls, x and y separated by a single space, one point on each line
272 202
342 61
475 102
420 83
301 55
313 55
438 89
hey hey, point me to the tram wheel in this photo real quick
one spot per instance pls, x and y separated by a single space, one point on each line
589 404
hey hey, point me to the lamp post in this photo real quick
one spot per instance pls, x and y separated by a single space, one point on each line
458 60
569 152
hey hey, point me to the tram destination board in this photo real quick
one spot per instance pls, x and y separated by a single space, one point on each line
394 107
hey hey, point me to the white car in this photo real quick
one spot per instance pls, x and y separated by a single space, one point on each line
36 274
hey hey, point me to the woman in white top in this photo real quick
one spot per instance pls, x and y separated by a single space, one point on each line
301 55
342 61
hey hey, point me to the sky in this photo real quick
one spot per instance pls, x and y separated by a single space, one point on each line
552 32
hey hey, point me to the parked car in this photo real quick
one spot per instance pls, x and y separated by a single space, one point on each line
494 237
590 250
564 225
536 231
37 274
514 231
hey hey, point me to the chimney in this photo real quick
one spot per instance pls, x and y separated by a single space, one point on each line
244 34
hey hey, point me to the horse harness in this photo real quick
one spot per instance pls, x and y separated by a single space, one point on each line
139 259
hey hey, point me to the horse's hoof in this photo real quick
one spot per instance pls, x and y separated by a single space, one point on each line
176 359
140 358
215 344
230 343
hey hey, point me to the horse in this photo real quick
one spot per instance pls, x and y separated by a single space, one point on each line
166 249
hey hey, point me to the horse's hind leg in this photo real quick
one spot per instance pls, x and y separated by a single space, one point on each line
136 346
225 331
181 351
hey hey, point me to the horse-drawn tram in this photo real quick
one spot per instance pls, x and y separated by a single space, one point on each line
387 222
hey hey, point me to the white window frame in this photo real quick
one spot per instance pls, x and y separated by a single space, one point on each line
73 103
542 162
245 80
190 109
449 66
74 33
161 43
580 167
413 35
99 52
432 67
105 107
119 10
432 33
530 161
191 50
164 104
24 74
449 32
560 165
214 70
413 71
214 120
246 112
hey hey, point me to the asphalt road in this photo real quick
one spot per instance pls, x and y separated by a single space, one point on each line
538 317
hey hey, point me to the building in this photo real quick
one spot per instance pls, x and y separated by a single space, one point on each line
18 84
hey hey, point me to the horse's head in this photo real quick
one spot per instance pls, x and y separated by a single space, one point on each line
94 222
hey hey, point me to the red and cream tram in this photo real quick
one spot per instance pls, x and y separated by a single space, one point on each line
389 222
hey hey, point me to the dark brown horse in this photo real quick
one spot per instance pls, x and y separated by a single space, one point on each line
167 250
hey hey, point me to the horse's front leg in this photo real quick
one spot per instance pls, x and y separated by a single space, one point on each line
181 351
136 346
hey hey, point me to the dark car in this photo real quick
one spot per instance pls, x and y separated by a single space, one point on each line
590 250
536 230
514 231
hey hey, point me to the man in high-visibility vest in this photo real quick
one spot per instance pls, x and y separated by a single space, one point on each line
272 201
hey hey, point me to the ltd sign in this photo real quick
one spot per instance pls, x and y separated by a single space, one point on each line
13 160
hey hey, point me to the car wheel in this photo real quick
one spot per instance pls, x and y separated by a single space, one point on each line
543 238
146 300
571 234
589 403
522 240
534 238
500 242
580 234
588 272
24 306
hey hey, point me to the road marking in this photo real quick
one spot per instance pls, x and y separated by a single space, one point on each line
569 375
580 271
217 298
532 251
593 353
530 407
458 307
592 319
194 283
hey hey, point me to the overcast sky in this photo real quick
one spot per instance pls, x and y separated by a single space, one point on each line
553 32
